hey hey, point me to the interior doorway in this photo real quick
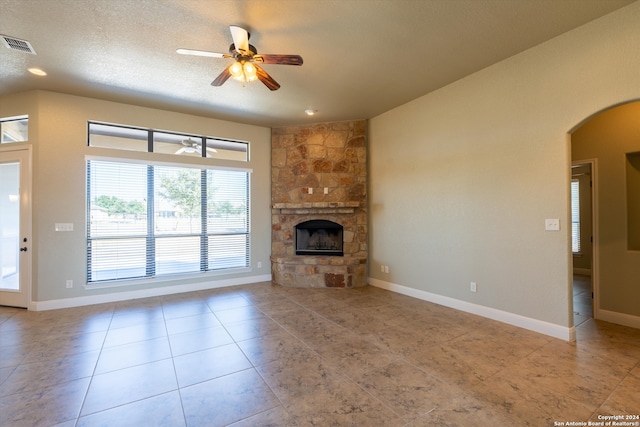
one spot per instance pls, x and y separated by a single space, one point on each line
582 240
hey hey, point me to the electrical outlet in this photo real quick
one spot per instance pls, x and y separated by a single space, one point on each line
259 265
310 190
69 284
473 287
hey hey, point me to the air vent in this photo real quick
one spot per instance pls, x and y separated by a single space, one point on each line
17 44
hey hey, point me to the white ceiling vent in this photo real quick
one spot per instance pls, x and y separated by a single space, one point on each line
17 44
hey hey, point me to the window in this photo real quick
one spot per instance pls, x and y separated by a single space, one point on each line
150 220
575 216
14 129
146 140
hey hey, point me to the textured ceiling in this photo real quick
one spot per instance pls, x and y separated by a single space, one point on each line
361 57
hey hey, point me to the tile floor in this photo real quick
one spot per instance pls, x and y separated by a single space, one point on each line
582 300
260 354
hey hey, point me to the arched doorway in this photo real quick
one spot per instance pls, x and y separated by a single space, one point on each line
610 143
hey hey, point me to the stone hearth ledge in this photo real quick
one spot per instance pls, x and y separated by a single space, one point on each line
319 272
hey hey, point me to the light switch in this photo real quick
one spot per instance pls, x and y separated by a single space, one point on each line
64 226
552 224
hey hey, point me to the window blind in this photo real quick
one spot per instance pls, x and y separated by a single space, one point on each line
575 216
150 220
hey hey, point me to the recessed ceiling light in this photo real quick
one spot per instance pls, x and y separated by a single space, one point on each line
37 71
310 112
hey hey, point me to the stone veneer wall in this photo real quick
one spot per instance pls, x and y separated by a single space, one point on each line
319 172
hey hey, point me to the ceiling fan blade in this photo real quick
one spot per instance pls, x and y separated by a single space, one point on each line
222 77
265 78
240 38
202 53
278 59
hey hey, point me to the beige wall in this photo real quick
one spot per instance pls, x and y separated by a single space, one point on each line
608 137
58 134
462 179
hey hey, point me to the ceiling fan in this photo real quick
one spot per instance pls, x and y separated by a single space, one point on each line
190 146
245 67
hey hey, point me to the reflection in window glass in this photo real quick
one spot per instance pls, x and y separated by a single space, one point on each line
118 137
229 150
183 145
14 130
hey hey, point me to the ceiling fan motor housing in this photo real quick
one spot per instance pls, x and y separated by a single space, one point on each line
238 54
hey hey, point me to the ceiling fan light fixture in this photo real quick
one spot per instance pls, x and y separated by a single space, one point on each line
243 71
250 71
236 70
310 112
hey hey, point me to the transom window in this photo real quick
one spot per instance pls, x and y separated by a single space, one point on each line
14 129
147 140
150 220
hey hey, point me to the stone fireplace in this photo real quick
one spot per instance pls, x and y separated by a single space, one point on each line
319 205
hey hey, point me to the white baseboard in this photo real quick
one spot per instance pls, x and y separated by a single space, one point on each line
143 293
546 328
618 318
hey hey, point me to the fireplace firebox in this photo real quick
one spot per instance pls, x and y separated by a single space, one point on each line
319 237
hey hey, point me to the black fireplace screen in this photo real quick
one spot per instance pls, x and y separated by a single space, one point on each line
319 237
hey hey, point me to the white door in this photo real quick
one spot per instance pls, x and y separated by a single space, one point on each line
15 229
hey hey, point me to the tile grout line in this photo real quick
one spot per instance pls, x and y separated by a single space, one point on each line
86 393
